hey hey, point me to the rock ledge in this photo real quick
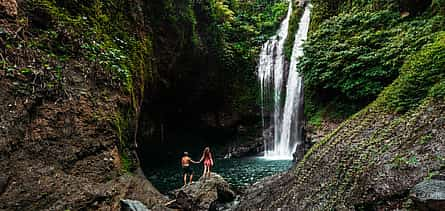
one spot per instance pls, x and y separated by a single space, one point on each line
429 195
204 194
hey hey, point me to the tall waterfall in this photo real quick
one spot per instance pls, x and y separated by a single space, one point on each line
284 119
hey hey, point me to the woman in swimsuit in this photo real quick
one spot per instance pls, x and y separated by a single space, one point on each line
208 161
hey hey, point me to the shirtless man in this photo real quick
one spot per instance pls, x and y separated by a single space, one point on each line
186 168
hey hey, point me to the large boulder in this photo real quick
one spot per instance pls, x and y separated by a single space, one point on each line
203 194
429 195
135 192
303 147
8 8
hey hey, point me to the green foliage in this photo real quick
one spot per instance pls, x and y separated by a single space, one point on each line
316 119
25 71
421 72
438 6
326 9
222 11
126 162
110 57
234 34
323 10
362 52
403 162
335 110
268 20
438 90
122 125
97 30
425 139
293 28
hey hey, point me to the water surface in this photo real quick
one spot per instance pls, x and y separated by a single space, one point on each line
238 172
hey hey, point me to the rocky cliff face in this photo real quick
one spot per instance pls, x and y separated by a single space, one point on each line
63 142
59 146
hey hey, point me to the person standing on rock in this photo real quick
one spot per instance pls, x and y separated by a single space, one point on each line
208 162
186 168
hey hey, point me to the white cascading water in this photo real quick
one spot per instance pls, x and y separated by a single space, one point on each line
271 70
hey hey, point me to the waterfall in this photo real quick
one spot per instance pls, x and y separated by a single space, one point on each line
284 119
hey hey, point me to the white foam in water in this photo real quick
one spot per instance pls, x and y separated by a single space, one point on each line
271 69
271 156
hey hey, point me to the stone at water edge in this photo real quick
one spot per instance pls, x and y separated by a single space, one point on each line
429 195
203 194
132 205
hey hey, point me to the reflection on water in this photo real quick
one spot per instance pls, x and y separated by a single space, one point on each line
238 172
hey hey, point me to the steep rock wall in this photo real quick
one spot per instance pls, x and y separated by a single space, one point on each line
69 109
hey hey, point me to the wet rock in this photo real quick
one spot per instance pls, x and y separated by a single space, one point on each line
246 149
132 205
8 8
3 184
303 147
184 201
203 194
252 143
136 189
429 195
301 150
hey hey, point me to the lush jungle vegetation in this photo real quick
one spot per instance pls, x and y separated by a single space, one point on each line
366 46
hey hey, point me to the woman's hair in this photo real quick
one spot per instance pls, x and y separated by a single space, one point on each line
207 152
